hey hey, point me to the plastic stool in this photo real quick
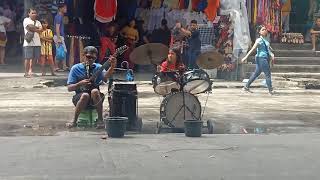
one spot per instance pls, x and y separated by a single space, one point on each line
88 118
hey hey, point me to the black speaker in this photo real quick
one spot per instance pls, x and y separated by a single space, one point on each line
124 102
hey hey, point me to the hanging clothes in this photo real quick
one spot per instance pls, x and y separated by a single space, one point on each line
71 53
238 14
195 4
81 47
183 4
212 9
156 3
203 4
172 4
105 10
127 8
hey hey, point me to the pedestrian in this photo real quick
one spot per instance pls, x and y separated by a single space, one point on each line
263 58
59 35
10 28
131 36
87 92
108 42
46 38
4 21
315 32
31 47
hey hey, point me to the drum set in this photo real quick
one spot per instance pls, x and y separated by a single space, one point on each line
178 89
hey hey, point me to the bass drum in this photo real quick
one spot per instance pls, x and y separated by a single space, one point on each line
172 109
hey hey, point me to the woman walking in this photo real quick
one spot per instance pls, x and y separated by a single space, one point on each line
263 57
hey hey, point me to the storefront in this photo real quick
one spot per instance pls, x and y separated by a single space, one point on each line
223 23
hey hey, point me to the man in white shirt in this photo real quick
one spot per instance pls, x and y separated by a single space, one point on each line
31 50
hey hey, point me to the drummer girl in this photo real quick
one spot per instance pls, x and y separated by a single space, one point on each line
173 62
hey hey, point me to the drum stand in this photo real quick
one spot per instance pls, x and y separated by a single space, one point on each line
172 128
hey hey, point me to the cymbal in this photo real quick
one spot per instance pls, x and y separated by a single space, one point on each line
151 53
210 60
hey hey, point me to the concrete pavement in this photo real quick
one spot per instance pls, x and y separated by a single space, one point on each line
83 155
257 136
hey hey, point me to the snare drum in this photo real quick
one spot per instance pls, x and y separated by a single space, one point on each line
165 82
196 81
173 111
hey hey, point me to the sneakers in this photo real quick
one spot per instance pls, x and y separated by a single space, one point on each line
272 92
245 89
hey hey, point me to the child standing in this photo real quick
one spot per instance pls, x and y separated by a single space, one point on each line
46 48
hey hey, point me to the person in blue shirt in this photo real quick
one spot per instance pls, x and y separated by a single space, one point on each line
59 35
263 58
78 81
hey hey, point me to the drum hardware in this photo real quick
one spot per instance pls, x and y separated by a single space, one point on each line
151 53
123 98
183 105
210 60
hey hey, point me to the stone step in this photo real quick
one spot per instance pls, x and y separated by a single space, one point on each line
286 68
281 46
297 60
295 53
289 75
293 60
298 75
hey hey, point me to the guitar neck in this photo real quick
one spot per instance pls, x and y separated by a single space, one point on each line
104 65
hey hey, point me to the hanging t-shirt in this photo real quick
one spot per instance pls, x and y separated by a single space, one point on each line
212 8
286 8
156 3
105 10
182 4
173 4
195 4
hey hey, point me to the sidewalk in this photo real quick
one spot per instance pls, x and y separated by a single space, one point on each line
85 156
16 72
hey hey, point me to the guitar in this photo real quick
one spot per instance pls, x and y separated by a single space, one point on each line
92 78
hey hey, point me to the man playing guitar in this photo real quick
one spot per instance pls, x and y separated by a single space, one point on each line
87 89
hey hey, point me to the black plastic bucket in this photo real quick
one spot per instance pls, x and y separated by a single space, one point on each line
193 128
116 126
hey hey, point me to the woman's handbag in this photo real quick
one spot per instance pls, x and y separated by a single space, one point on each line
29 35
